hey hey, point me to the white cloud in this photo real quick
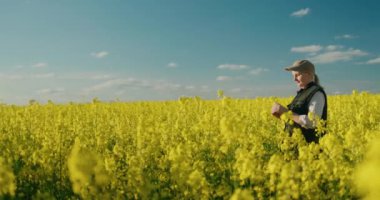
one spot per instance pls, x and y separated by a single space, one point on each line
374 61
205 88
306 49
40 65
190 87
40 76
223 78
301 12
86 76
258 71
12 76
165 86
236 90
330 53
232 67
50 91
24 77
114 83
345 36
172 65
19 66
101 77
100 54
333 47
335 56
133 83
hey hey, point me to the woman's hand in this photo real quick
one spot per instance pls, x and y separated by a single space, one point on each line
278 110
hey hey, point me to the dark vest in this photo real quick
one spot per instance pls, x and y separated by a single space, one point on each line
299 105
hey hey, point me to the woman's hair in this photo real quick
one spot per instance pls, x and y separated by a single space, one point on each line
316 79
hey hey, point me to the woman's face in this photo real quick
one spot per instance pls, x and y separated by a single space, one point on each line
302 78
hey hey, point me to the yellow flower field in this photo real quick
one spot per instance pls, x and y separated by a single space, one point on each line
187 149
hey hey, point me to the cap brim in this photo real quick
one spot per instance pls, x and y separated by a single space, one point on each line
294 68
291 68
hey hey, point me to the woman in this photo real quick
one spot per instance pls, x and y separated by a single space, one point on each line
310 98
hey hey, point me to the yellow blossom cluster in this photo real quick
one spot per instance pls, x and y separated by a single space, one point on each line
188 149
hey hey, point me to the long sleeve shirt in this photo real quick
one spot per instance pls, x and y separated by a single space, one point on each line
315 106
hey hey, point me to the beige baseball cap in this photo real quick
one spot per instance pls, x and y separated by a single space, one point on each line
301 66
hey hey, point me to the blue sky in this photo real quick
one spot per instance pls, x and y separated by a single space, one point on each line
76 50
